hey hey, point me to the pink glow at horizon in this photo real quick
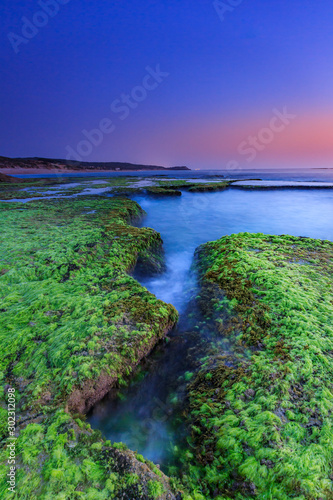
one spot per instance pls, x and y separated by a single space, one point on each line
307 139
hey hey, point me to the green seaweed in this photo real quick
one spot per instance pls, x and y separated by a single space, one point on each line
58 459
163 191
73 323
262 422
209 186
193 187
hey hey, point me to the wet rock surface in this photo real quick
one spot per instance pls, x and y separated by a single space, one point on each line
258 413
73 324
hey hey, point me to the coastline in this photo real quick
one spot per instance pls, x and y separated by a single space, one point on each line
42 166
112 322
42 171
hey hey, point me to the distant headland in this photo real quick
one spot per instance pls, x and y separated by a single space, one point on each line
46 165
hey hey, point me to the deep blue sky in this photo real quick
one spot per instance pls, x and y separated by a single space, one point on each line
224 77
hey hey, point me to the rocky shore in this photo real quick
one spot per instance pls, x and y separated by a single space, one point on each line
73 324
261 414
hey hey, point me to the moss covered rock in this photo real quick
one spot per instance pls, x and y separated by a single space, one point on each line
207 187
163 191
59 457
73 323
261 414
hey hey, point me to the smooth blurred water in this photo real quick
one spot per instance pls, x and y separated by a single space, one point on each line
194 218
291 173
144 418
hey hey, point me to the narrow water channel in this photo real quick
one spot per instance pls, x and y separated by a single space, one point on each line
147 415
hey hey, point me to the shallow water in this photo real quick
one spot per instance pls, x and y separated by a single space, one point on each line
194 218
291 173
50 195
146 417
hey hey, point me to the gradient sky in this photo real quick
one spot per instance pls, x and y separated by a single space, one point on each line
224 80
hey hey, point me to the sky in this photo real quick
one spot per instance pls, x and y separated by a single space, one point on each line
204 84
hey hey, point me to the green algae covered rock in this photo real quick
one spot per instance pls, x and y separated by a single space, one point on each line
209 186
172 187
59 457
73 323
261 413
163 191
